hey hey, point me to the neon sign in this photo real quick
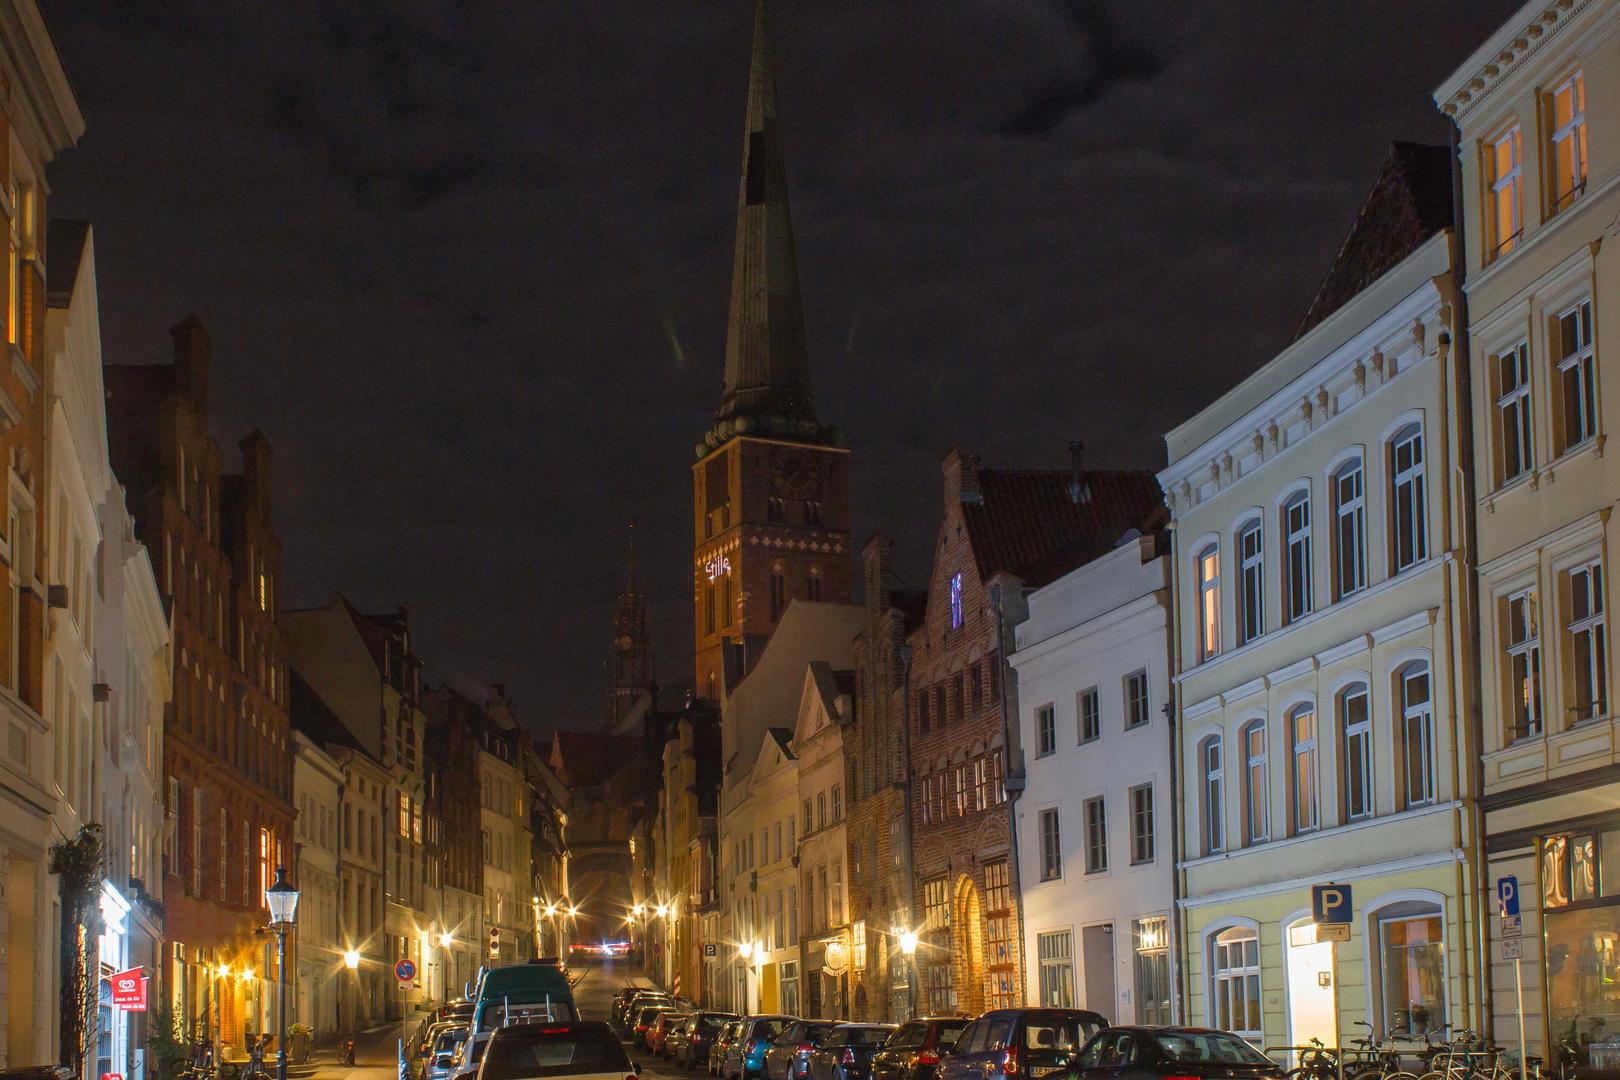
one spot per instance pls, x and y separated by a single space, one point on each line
719 566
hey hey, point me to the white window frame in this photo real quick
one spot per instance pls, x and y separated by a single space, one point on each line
1207 565
1579 367
1055 950
1214 796
1230 982
1142 839
1417 736
1588 644
1349 527
1051 834
1138 707
1256 783
1089 715
1409 499
1250 549
1525 700
1095 816
1045 730
1508 183
1357 742
1296 567
1572 130
1304 759
1513 411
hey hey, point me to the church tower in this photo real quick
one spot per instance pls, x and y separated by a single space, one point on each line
771 486
633 689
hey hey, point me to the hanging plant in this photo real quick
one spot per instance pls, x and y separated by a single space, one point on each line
77 864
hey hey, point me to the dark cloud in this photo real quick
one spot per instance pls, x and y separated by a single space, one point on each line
467 263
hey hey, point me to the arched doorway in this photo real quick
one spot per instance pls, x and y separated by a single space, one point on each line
968 940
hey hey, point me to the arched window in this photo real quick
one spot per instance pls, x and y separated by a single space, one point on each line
1296 531
1234 975
1209 602
1349 528
1409 515
1251 616
1256 784
1214 799
1302 777
1408 976
1417 734
1355 726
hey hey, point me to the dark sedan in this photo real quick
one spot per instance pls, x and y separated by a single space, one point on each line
789 1056
846 1054
1151 1053
912 1052
689 1045
1020 1044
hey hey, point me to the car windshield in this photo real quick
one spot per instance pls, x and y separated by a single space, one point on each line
1054 1031
816 1034
503 1013
766 1029
566 1051
949 1033
1219 1047
711 1023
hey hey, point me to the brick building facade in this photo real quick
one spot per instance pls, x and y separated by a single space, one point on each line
226 759
875 750
1002 532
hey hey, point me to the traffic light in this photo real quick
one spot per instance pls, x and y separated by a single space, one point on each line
494 941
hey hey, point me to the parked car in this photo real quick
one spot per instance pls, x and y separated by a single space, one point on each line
642 1028
746 1057
438 1066
621 1002
1020 1044
469 1055
578 1050
658 1036
641 1001
912 1052
722 1046
789 1055
1149 1053
689 1044
846 1054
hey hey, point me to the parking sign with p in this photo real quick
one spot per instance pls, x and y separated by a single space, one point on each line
1507 894
1330 908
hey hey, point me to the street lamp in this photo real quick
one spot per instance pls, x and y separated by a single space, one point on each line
444 940
908 945
351 960
282 900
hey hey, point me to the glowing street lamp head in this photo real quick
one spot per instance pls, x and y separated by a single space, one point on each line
639 908
745 949
908 942
224 971
551 909
572 911
663 910
351 959
444 941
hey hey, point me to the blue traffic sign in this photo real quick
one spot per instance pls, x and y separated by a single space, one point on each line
1507 892
405 970
1330 903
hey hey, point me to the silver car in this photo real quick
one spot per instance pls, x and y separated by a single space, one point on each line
443 1056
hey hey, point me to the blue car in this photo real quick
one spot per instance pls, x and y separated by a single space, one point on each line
745 1058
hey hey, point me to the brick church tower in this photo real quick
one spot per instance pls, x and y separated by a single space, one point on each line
771 486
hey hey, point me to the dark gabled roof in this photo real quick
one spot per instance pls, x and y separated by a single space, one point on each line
309 714
1027 522
1410 203
64 250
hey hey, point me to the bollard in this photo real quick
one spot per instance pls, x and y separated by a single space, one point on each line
404 1066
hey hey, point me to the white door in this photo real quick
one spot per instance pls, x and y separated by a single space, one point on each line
1312 1010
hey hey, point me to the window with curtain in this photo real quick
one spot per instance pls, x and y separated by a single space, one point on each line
1096 818
1577 374
1296 522
1055 951
1350 529
1523 637
1588 650
1567 106
1355 722
1504 223
1417 735
1251 616
1234 966
1257 795
1051 846
1409 516
1209 602
1516 454
1302 731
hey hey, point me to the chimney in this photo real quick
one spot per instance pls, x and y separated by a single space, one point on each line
961 469
875 572
1079 490
256 471
193 355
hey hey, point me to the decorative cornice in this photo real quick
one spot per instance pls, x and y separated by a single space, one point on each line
1494 63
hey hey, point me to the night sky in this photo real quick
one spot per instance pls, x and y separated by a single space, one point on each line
467 262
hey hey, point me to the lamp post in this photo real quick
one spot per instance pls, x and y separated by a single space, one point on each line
908 946
282 900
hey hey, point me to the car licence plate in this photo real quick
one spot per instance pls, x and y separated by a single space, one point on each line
1045 1070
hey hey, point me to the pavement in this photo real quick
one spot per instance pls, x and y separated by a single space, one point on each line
594 995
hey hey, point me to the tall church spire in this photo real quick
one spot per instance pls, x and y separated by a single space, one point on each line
767 388
632 683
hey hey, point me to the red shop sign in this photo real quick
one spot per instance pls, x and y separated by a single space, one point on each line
129 992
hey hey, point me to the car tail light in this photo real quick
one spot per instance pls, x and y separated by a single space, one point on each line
806 1048
849 1055
1010 1063
753 1044
927 1057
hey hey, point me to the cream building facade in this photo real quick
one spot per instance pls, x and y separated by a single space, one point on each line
1537 109
1095 859
826 707
1317 519
775 877
317 949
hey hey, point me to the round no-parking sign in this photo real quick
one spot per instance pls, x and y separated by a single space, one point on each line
405 970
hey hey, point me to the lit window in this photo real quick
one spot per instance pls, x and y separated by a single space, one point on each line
1257 780
1209 602
1524 665
1411 542
1577 370
1350 561
1506 174
956 600
1235 982
1513 411
1569 141
1251 620
1587 640
1303 779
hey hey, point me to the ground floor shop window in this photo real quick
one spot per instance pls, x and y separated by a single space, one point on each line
1235 981
1412 973
790 987
1055 951
940 981
1151 941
